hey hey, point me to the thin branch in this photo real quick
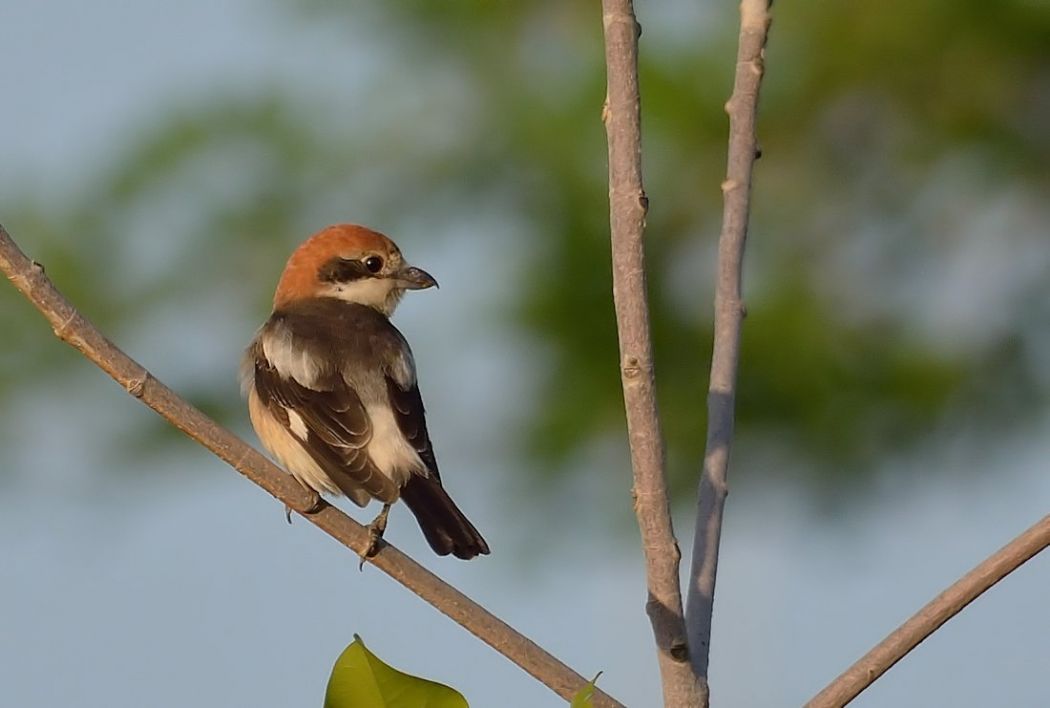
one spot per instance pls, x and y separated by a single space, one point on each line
927 620
627 209
729 314
73 328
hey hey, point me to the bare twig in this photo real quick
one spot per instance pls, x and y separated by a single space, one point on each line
627 209
927 620
70 326
729 314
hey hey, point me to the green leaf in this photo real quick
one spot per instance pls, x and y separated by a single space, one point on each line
361 680
582 699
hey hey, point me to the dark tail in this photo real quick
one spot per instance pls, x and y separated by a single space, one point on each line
445 527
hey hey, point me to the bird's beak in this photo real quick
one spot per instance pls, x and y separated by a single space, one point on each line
412 278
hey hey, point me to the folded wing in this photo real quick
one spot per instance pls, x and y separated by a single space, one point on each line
331 425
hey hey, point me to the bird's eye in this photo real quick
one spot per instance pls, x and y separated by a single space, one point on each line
374 264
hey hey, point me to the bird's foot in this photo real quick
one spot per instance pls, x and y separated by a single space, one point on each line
375 535
315 506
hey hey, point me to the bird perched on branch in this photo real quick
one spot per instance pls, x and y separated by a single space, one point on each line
332 389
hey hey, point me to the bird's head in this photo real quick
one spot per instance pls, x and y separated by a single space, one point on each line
351 263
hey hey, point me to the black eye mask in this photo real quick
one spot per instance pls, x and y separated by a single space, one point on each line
342 270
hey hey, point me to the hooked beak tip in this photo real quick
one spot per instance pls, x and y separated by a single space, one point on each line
413 278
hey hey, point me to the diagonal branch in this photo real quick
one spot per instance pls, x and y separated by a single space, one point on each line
930 618
627 209
729 315
74 329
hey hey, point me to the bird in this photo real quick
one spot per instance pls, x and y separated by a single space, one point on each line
332 390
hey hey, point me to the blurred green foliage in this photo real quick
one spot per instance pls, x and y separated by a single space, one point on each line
866 106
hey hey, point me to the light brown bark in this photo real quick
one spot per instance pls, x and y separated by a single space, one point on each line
627 208
729 315
931 617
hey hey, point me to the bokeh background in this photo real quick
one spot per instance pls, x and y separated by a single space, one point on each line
161 160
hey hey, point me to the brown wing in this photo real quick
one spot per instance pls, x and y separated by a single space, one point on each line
411 419
337 429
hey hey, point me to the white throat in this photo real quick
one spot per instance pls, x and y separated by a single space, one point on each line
379 293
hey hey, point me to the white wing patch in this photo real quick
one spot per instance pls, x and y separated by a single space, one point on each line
388 449
297 424
403 368
289 361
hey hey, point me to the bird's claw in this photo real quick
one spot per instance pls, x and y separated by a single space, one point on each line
315 506
376 529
